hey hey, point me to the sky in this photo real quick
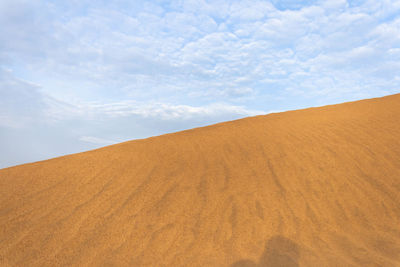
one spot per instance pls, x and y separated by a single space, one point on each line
77 75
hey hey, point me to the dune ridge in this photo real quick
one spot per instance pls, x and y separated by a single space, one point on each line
313 187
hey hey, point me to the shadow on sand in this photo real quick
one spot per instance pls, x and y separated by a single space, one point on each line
279 252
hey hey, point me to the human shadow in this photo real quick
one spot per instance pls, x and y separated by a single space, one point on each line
279 252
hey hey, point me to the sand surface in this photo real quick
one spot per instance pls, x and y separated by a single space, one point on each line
314 187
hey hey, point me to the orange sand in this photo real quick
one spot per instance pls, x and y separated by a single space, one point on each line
314 187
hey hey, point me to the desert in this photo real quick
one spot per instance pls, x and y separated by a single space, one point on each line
311 187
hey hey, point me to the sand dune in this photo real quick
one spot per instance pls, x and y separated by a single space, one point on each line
314 187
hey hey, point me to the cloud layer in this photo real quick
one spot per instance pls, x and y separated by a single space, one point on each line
150 67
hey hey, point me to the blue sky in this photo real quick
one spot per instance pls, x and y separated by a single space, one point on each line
77 75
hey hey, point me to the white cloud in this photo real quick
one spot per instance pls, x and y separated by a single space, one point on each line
34 126
250 10
97 140
171 112
170 50
20 102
